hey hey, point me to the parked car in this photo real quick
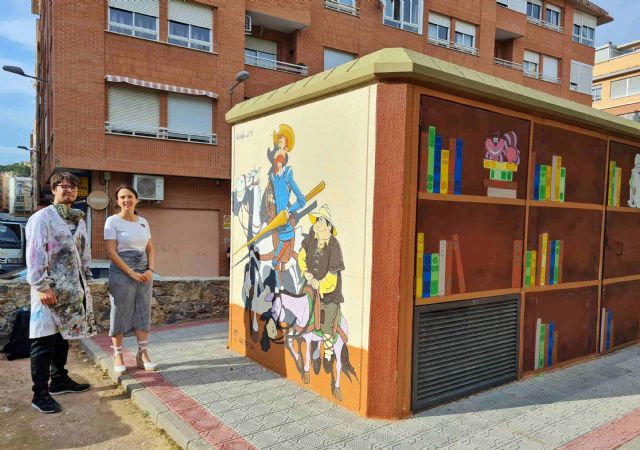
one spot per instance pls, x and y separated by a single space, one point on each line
99 269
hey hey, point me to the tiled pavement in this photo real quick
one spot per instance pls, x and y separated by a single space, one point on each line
207 396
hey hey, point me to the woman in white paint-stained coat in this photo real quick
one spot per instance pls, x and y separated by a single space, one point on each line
58 257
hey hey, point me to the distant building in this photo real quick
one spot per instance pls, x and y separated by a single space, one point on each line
616 80
4 190
20 196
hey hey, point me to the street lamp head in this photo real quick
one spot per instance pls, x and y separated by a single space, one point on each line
14 69
242 76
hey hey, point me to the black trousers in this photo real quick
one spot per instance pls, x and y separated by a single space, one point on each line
48 358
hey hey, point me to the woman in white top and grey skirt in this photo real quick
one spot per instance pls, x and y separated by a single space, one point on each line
128 241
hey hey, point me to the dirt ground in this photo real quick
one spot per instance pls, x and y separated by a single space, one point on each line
102 418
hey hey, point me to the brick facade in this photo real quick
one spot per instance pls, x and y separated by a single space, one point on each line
76 51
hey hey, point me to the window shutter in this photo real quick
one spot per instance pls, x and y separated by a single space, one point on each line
518 5
439 19
333 58
148 7
634 85
554 8
191 13
261 45
138 109
531 57
536 2
550 66
577 18
619 88
466 28
589 21
189 114
586 79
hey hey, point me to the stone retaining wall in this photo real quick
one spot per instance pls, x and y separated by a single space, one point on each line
174 300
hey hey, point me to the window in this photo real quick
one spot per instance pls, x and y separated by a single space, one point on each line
553 14
439 27
190 25
189 118
534 9
345 6
260 52
584 28
465 36
133 24
404 14
516 5
596 93
333 58
133 111
581 77
531 63
550 69
625 87
635 116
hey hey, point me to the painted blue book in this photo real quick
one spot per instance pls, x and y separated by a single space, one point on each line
536 183
552 263
426 275
437 166
457 178
550 349
608 330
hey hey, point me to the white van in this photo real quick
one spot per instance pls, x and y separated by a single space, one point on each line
12 245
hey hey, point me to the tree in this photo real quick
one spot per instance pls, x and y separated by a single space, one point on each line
18 169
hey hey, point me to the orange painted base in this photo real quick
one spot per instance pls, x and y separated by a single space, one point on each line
279 359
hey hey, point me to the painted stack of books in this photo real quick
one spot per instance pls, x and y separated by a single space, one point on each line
615 179
500 182
544 266
440 169
434 271
606 331
549 181
546 345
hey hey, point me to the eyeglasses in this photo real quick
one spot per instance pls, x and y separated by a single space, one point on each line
68 187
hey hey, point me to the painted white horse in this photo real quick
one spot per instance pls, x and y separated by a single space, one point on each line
295 312
248 197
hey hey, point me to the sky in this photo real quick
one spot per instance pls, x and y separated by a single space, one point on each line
17 48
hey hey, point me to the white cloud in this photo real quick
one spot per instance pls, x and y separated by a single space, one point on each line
20 30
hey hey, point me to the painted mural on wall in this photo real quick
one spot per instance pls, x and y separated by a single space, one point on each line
501 157
292 263
634 184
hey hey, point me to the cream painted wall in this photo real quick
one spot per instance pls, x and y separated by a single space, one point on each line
334 143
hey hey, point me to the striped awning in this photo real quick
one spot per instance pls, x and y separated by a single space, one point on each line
160 86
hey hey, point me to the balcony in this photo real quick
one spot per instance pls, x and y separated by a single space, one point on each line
539 76
508 64
545 24
161 133
272 64
520 68
337 5
453 46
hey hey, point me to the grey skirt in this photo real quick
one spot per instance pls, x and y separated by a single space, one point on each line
130 300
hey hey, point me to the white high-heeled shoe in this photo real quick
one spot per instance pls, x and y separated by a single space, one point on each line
118 369
149 366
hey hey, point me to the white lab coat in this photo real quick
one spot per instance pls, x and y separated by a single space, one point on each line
59 260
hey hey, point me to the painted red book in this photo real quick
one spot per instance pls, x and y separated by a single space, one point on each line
516 268
459 271
500 184
452 164
449 269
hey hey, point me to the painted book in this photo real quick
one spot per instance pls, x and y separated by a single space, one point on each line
554 177
536 183
542 252
527 269
449 269
419 263
541 346
457 185
549 187
435 273
516 267
554 358
563 179
603 328
534 261
618 184
552 262
560 260
442 267
426 276
542 194
452 166
556 263
608 343
444 172
437 164
550 346
501 193
500 184
430 158
457 254
611 186
536 346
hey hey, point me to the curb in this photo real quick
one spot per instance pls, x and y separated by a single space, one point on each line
181 433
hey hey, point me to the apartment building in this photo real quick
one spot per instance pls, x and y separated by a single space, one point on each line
20 196
137 90
616 79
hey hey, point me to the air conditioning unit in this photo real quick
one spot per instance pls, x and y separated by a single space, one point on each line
247 24
149 187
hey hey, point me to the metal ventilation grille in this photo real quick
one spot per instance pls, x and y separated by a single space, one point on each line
463 347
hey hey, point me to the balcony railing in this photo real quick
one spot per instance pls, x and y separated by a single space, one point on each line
507 63
539 76
272 64
453 46
341 7
161 133
545 24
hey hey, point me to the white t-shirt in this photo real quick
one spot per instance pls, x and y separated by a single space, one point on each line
128 235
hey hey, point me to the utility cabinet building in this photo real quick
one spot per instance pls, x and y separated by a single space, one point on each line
407 231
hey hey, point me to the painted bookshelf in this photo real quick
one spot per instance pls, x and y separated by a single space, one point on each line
553 230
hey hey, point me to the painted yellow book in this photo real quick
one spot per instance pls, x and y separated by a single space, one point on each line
534 258
544 237
547 194
444 172
419 264
618 182
556 185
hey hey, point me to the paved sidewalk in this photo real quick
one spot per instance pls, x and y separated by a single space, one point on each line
206 396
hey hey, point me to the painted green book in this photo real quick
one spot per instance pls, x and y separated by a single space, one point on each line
431 158
543 182
435 274
563 178
556 265
541 348
527 270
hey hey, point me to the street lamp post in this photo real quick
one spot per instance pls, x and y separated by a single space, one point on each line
240 77
18 71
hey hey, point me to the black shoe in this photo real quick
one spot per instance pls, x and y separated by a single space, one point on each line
45 404
67 386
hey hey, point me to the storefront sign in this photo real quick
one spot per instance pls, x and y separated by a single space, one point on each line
98 200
